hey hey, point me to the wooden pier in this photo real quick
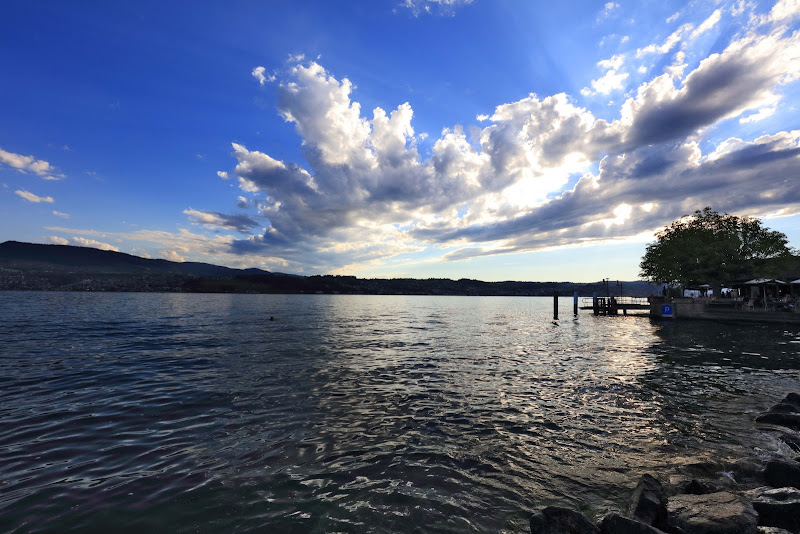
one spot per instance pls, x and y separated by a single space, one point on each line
614 305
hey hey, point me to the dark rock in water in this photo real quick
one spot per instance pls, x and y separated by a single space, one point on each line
785 413
716 513
556 520
551 425
789 420
777 507
782 407
695 487
616 524
749 472
707 469
727 478
648 502
793 399
782 474
791 440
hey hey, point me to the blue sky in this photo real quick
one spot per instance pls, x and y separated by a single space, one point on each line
486 139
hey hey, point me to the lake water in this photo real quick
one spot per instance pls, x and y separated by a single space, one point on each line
196 413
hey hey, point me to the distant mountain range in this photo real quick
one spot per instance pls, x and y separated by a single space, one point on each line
29 266
66 258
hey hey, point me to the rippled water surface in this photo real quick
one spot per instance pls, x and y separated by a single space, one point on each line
196 413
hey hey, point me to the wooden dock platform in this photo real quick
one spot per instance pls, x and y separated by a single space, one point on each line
614 305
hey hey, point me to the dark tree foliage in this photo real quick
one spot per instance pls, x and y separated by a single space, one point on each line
710 248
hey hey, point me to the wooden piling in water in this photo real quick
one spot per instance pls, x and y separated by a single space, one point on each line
575 303
555 304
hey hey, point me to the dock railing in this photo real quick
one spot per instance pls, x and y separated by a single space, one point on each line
613 305
587 302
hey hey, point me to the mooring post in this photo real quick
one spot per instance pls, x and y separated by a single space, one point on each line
555 304
575 303
595 307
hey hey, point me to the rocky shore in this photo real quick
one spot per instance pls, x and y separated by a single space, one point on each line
749 496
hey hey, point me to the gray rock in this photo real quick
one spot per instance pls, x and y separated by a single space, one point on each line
781 474
648 502
557 520
772 530
789 420
616 524
777 507
716 513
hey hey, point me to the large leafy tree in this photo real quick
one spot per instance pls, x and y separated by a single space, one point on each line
707 247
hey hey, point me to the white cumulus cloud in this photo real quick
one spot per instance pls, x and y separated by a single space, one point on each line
83 242
608 9
760 115
670 42
30 197
56 240
612 63
707 24
539 172
29 164
784 11
259 74
609 82
171 255
77 241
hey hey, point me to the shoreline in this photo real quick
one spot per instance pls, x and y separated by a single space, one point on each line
749 495
683 309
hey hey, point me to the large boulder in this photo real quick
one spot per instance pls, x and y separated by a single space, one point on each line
748 472
777 507
793 399
781 474
617 524
789 420
785 413
557 520
715 513
648 502
782 407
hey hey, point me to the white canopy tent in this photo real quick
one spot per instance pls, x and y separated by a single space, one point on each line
759 287
794 283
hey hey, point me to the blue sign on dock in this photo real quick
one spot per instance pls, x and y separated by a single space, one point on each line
666 310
